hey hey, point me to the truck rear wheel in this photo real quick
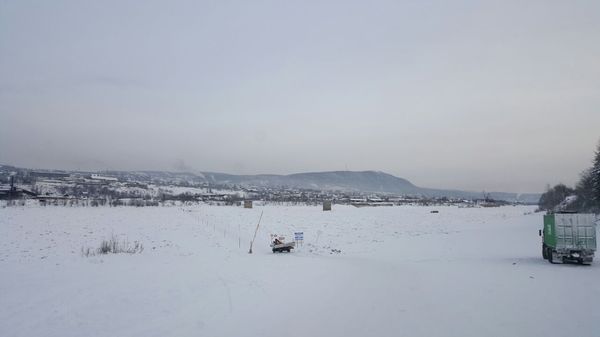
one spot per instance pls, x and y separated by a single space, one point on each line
544 252
549 253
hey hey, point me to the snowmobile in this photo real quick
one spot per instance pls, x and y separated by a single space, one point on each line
279 245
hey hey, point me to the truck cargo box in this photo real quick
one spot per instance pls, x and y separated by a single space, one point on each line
570 231
569 236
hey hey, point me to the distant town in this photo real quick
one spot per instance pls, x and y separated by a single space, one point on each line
72 188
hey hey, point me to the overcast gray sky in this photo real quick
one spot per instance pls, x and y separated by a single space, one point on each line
494 95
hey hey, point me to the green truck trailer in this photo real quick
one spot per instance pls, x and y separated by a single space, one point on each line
569 237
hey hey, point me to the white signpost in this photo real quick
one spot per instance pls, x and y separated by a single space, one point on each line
299 238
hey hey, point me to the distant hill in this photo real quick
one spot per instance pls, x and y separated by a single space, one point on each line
363 181
348 181
367 181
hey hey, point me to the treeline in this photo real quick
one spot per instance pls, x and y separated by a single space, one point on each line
584 197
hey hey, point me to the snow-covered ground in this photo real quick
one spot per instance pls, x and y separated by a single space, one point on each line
386 271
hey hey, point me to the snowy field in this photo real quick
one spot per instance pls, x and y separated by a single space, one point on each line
387 271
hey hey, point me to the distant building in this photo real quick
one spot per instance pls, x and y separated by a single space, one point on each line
49 174
103 178
12 192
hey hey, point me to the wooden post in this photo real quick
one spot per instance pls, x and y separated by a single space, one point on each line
255 231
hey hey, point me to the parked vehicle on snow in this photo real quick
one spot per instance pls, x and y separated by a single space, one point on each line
279 245
569 237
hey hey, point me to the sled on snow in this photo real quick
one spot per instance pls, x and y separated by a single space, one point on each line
283 247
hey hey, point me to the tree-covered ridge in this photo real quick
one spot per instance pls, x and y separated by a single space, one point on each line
585 197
